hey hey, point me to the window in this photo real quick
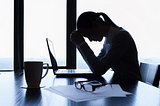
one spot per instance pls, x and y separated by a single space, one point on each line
6 34
44 19
139 17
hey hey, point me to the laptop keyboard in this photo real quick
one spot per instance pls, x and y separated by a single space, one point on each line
73 71
66 71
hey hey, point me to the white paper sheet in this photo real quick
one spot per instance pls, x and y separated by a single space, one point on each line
76 95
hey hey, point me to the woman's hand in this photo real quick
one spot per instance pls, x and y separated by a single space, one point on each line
76 38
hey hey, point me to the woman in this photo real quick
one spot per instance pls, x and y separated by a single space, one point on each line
119 51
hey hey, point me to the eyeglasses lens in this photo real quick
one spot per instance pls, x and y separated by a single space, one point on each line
88 87
78 85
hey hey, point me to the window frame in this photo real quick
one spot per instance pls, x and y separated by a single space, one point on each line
19 35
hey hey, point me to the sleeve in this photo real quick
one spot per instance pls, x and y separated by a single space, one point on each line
102 53
99 66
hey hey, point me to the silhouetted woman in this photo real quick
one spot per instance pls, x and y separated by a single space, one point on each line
119 51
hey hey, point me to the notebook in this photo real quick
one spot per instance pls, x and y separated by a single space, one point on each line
65 72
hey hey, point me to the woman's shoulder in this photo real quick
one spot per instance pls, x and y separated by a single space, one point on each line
121 33
122 36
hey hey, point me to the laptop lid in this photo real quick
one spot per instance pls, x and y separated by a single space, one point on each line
82 72
51 52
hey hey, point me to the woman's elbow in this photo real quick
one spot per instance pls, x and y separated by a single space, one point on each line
99 72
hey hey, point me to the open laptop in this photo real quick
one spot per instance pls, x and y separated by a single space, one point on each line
65 72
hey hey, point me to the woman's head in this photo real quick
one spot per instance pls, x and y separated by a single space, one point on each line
92 26
85 20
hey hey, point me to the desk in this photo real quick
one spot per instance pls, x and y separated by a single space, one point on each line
11 93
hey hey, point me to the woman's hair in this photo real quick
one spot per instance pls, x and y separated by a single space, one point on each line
85 20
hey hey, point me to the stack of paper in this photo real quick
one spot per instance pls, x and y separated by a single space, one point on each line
76 95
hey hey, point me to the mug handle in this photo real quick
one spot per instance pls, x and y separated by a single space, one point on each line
46 70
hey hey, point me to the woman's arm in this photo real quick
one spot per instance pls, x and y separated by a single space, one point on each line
100 66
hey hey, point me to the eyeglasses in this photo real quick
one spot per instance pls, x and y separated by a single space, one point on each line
89 86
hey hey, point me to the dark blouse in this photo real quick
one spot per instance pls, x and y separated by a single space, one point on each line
121 56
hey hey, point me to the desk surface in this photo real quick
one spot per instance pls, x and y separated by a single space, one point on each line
11 93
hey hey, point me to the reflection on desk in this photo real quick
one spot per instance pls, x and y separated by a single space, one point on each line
11 93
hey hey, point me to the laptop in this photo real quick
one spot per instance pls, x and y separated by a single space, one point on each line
65 72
